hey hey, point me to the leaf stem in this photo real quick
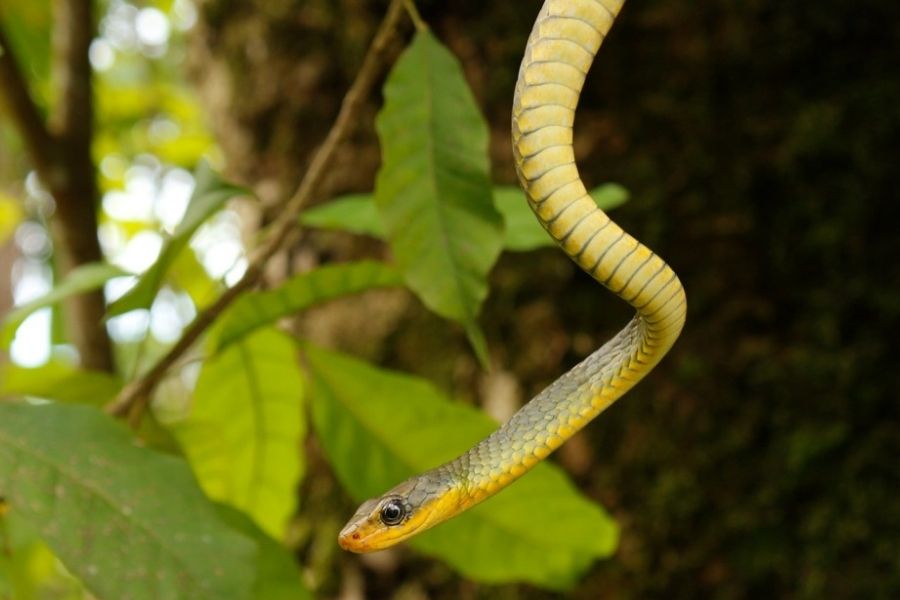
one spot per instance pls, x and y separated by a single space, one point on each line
132 401
414 15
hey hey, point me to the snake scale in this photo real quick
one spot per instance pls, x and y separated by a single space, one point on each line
560 51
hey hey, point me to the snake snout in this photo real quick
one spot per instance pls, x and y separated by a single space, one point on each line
350 538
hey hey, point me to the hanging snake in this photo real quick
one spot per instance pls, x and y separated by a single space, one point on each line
561 49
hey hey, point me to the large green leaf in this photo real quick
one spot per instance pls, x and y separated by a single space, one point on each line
277 577
524 232
82 279
257 309
210 194
379 427
356 213
433 191
244 433
129 522
59 381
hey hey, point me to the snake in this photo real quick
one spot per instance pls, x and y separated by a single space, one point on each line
560 50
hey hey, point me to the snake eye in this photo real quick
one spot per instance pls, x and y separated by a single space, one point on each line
392 512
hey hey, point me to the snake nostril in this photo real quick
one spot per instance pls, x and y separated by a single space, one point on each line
355 536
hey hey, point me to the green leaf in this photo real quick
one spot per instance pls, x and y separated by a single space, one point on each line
82 279
277 575
610 195
210 194
433 191
379 427
257 309
355 213
244 434
59 381
129 522
28 569
524 232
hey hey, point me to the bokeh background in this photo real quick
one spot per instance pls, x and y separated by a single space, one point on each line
760 142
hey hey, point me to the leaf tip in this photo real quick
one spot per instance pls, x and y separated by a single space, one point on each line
479 344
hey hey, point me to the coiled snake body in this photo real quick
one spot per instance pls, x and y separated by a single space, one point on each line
562 46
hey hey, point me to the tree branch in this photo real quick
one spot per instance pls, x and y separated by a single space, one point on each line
133 399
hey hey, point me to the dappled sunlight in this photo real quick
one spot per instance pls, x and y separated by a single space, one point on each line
145 195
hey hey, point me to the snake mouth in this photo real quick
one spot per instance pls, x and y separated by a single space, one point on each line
350 539
353 539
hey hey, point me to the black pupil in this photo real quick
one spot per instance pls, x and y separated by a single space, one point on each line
391 513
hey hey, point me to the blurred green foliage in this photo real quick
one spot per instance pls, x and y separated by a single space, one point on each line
81 279
60 381
210 194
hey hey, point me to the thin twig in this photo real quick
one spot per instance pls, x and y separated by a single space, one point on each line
133 399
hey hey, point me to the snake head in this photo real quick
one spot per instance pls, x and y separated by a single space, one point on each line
409 508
